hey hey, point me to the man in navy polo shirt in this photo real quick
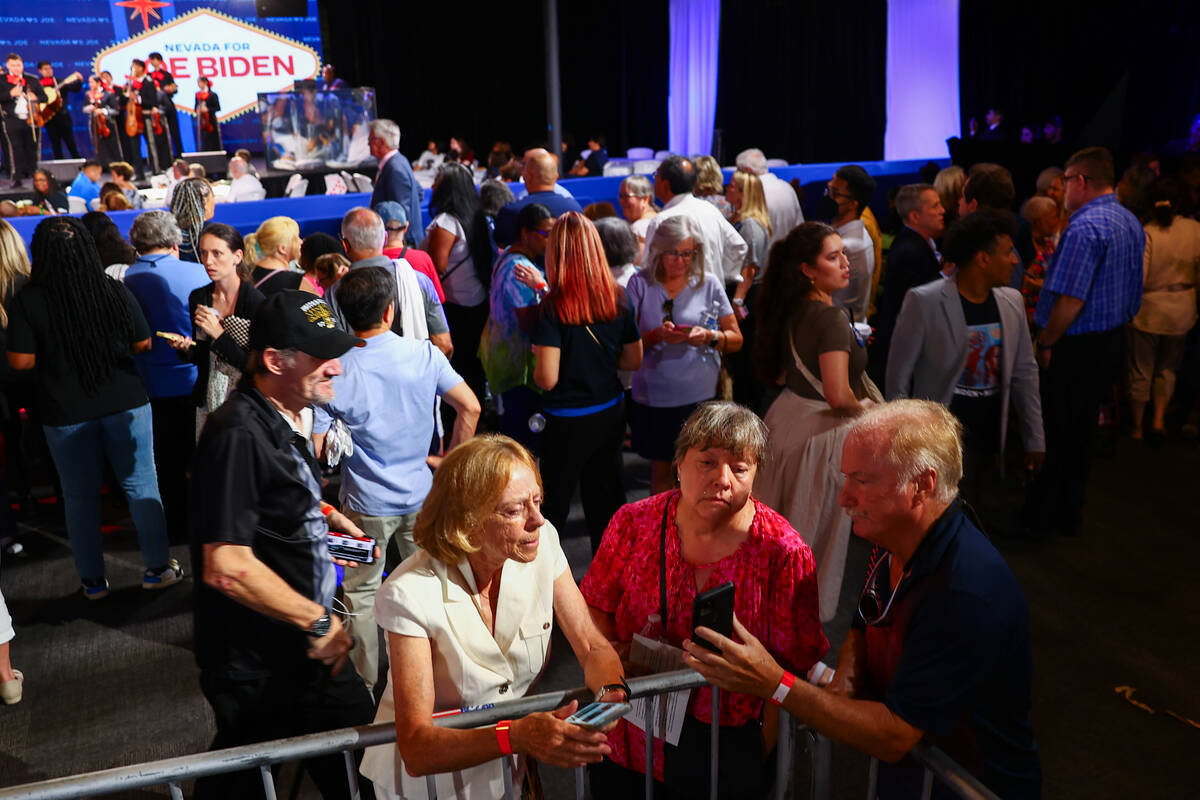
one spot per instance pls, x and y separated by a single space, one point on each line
939 649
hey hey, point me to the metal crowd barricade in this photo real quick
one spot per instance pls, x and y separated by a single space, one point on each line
263 755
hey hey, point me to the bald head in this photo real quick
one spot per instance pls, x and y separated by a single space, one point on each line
237 167
363 233
541 170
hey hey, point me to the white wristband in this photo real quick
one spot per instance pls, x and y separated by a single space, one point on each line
817 671
785 686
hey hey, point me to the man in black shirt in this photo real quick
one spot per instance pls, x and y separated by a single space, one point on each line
273 660
165 82
18 92
963 341
58 120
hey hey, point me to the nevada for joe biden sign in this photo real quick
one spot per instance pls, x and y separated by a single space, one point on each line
240 59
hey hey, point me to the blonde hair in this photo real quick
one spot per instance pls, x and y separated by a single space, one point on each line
917 436
14 261
754 200
466 488
709 178
122 168
270 236
948 183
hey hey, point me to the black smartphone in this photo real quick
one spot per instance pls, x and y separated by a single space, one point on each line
713 609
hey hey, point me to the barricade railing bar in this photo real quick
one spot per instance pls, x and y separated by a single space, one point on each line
346 741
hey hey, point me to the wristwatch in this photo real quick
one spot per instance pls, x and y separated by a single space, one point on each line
737 301
715 340
614 687
320 627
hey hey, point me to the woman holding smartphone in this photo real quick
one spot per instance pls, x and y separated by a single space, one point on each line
221 313
708 532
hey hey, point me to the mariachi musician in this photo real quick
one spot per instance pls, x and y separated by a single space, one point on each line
165 82
207 106
56 117
103 110
19 99
143 121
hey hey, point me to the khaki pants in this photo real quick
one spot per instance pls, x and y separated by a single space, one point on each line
361 584
1153 362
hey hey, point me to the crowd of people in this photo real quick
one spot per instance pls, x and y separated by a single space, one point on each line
790 383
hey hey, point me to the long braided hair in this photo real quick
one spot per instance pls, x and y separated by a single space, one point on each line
187 204
92 319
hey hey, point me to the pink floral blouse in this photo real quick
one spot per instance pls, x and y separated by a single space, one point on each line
776 600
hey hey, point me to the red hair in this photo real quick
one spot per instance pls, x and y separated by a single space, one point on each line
582 289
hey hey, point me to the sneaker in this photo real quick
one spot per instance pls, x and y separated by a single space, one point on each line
95 589
162 577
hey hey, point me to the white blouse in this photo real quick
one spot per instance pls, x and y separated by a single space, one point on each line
471 668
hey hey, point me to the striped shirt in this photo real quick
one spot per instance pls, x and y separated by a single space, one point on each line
1098 261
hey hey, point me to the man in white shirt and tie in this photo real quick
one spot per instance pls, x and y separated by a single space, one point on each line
724 247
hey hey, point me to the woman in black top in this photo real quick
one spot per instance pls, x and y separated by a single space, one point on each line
221 314
81 329
271 251
585 334
46 194
17 387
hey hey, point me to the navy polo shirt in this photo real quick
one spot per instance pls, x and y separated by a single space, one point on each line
953 658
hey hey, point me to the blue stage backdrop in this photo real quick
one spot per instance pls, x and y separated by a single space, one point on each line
222 39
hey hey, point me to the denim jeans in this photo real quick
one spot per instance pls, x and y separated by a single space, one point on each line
127 439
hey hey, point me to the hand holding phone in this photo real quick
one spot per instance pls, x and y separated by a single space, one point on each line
598 716
713 609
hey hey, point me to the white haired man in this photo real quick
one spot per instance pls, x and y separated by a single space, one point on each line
939 647
395 180
243 187
783 207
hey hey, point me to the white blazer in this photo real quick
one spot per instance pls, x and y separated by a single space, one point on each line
471 668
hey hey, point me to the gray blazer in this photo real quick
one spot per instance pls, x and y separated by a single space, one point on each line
929 351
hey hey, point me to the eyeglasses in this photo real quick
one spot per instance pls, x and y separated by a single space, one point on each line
668 306
395 228
1086 178
626 196
836 195
542 233
682 255
871 606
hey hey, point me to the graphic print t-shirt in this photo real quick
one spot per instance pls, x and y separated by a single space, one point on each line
976 400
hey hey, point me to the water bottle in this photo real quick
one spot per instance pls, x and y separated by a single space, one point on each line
653 628
710 319
537 423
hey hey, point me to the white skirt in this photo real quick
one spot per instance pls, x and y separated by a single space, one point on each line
801 480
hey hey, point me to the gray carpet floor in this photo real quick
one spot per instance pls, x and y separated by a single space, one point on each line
114 682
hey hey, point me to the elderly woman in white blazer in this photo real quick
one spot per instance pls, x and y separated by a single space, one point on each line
929 347
469 620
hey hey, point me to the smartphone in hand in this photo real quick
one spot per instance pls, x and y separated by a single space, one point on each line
599 715
713 609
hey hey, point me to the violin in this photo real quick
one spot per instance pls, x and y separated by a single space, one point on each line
206 121
157 121
134 124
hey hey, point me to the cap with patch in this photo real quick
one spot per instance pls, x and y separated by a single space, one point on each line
300 321
391 212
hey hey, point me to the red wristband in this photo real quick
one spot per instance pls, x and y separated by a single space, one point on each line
502 736
785 686
327 509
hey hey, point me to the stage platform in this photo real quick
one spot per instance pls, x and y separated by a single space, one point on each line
321 212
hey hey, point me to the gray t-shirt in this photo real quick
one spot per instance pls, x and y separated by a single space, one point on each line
818 328
757 245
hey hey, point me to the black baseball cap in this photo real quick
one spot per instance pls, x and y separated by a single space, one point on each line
300 321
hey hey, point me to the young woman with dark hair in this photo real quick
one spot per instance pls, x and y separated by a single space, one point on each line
462 251
221 313
81 329
586 333
809 346
47 195
116 254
